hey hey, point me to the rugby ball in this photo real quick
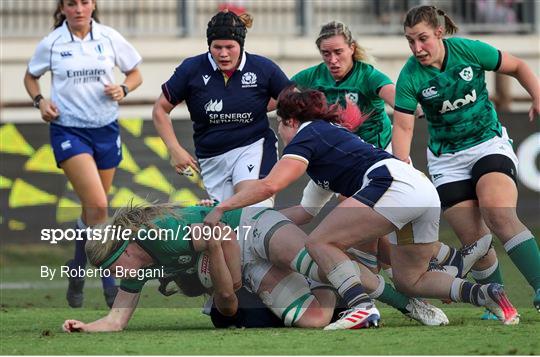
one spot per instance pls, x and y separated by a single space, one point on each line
203 270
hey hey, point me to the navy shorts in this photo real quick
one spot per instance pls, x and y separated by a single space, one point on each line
103 144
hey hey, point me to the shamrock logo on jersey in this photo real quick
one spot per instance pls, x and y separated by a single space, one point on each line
466 73
353 97
249 79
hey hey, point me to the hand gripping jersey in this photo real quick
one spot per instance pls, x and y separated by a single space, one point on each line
174 251
337 159
361 85
80 69
226 113
454 98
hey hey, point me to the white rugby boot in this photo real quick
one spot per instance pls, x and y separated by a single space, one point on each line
493 297
425 313
472 252
357 318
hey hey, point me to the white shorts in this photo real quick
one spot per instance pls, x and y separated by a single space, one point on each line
458 166
257 225
221 173
405 197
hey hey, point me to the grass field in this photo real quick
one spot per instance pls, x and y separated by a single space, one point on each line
31 317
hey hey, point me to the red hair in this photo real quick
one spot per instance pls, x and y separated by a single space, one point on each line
310 104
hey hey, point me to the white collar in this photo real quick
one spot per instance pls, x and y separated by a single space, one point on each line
240 67
304 124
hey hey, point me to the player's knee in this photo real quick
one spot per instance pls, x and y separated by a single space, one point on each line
314 318
96 211
500 220
316 247
313 246
405 285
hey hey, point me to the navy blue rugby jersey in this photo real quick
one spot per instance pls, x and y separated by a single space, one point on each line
337 159
226 114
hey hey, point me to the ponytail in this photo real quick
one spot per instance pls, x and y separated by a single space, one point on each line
432 16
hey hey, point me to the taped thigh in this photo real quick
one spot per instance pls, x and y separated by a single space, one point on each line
289 299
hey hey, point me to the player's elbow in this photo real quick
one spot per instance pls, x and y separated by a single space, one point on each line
270 188
227 303
157 112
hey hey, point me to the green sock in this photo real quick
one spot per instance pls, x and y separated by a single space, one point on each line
394 298
523 250
489 275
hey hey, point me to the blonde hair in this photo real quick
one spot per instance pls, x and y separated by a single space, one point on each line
432 16
132 217
336 28
246 19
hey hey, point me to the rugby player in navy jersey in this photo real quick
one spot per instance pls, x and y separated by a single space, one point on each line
227 92
386 196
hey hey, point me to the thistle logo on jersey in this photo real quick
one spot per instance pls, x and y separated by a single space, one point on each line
466 73
458 103
430 92
249 80
213 106
205 79
353 97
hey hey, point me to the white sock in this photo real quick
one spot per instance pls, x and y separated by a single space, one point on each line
379 290
455 290
344 275
517 240
482 274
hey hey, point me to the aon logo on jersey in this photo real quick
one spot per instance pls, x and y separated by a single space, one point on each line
458 103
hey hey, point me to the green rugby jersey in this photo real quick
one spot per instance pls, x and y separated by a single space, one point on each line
175 254
361 85
454 98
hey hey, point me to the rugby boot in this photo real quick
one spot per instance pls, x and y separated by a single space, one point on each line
74 294
448 269
488 315
471 253
358 317
493 297
425 313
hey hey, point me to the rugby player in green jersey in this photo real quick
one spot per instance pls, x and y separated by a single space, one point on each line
470 156
269 249
245 243
345 74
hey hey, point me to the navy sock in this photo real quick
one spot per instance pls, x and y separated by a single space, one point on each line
355 295
108 282
470 293
79 259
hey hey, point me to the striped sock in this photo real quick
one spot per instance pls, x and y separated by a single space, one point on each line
523 250
345 277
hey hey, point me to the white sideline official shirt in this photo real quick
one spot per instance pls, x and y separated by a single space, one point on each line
80 69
